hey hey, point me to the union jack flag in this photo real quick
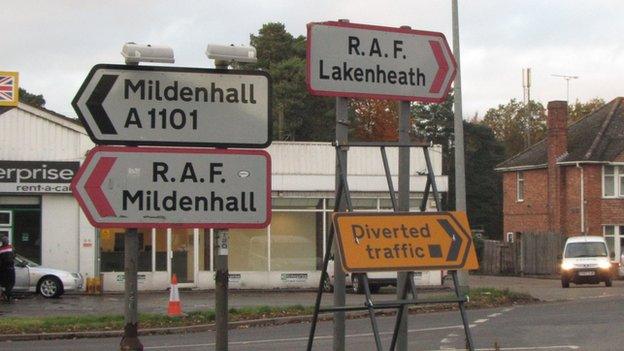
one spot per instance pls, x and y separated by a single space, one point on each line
8 88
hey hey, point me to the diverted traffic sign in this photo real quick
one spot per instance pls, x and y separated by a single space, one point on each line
405 241
175 187
150 105
357 60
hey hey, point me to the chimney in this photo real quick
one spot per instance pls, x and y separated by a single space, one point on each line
557 139
557 134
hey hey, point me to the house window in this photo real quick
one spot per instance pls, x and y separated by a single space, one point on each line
612 181
520 186
612 234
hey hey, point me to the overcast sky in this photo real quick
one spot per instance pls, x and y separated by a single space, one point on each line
53 44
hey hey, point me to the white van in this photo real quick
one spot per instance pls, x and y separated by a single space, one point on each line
586 260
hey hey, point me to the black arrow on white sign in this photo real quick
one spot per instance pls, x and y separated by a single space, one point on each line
453 251
95 101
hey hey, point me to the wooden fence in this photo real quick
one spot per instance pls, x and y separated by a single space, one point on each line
530 253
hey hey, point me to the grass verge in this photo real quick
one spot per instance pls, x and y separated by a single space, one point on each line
479 298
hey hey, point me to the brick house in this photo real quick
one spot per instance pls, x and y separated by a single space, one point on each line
571 182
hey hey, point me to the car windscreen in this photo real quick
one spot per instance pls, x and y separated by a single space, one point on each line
25 261
587 249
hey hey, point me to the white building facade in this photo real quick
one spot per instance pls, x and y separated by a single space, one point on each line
40 151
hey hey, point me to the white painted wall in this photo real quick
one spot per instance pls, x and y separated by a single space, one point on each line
31 134
60 217
310 166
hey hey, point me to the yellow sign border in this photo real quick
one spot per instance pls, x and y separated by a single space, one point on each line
15 100
451 215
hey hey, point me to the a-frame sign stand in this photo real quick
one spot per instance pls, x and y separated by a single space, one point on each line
403 303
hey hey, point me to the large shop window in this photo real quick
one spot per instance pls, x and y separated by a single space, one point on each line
613 181
112 250
293 241
248 250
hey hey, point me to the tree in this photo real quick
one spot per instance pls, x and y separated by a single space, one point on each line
511 123
375 120
31 99
298 115
482 152
483 185
579 110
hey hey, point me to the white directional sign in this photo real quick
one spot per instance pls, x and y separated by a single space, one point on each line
149 105
175 187
357 60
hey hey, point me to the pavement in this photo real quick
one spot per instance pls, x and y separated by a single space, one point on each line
156 302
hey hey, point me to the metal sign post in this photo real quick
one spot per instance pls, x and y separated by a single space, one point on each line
130 340
445 243
143 187
404 203
221 288
364 61
342 136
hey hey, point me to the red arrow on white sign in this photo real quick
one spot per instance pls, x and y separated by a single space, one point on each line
93 186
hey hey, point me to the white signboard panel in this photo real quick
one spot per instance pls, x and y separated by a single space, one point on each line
174 187
151 105
356 60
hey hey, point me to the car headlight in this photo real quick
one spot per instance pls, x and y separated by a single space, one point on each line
604 264
567 266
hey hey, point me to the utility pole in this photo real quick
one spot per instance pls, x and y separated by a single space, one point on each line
567 79
526 86
460 172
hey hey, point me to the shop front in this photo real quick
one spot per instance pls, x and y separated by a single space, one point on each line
40 152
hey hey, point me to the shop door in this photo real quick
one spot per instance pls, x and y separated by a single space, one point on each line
182 255
23 226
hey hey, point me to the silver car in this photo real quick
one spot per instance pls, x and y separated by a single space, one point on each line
49 282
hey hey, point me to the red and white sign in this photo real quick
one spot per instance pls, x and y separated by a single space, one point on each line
175 187
358 60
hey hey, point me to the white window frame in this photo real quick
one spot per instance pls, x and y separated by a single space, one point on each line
618 232
618 174
10 223
510 237
520 180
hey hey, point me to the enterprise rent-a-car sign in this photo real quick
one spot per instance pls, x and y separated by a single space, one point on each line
36 176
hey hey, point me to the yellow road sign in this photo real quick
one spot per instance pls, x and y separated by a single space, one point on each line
405 241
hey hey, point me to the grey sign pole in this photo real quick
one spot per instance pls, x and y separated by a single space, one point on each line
221 288
222 274
130 340
460 173
404 206
342 136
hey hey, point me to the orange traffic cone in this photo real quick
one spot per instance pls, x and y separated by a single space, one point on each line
175 307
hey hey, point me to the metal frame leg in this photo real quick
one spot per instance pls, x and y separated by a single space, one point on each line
462 310
371 312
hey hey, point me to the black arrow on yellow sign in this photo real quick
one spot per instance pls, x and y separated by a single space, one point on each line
435 251
453 251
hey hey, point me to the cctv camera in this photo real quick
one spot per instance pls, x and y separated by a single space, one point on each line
135 53
231 53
